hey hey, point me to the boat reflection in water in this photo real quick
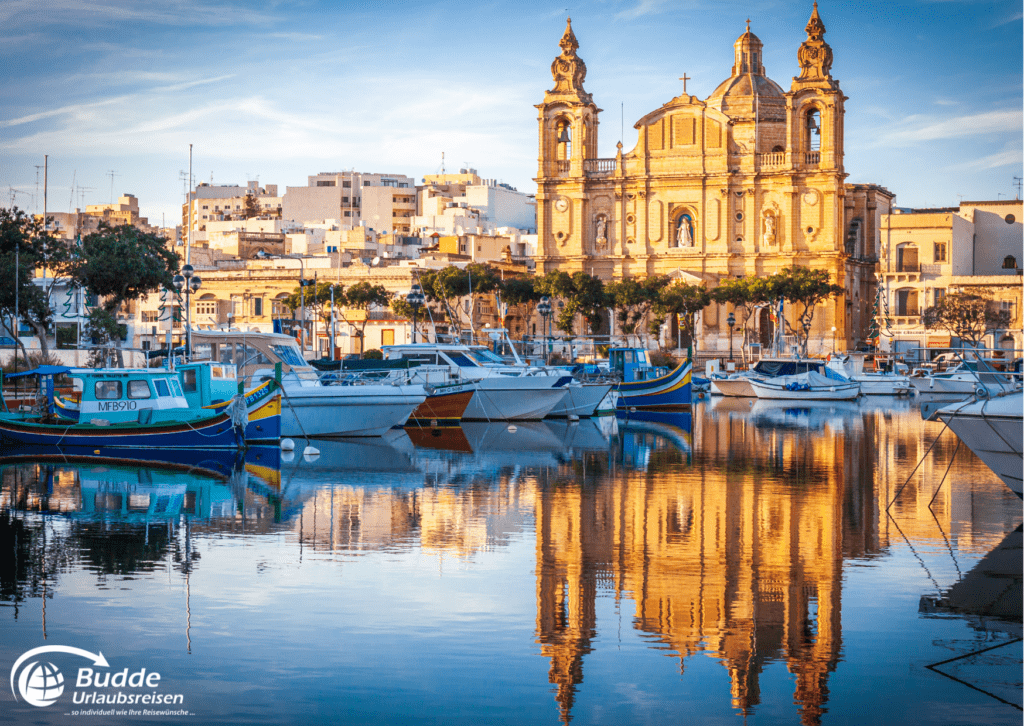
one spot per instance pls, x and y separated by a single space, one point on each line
738 541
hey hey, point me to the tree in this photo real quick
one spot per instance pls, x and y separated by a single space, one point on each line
522 294
965 315
806 287
582 294
633 300
119 264
318 299
22 237
744 294
252 206
363 296
682 299
443 286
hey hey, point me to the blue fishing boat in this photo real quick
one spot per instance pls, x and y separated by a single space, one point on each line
644 386
193 390
128 408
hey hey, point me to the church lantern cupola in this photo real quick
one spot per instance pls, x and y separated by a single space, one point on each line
815 56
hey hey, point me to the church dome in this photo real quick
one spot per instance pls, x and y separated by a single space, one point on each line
748 78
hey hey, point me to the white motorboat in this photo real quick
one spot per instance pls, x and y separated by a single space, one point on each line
809 386
503 392
993 428
871 384
310 408
738 384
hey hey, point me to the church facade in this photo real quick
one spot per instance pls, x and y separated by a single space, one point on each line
745 182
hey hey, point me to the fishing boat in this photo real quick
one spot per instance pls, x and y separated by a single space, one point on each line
993 428
961 379
809 386
502 393
110 414
643 386
206 389
310 406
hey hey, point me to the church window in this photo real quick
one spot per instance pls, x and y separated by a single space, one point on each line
1010 262
813 130
739 216
1010 219
777 148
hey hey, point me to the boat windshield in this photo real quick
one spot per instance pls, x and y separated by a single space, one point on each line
289 354
462 361
786 367
485 357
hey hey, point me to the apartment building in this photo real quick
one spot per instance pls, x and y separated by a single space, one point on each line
449 201
927 253
226 202
383 202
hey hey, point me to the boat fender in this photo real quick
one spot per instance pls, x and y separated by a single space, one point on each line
311 453
287 445
512 428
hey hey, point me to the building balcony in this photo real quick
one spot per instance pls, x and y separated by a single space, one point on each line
772 160
599 167
812 158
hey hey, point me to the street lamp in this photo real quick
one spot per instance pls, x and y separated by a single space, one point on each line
731 322
415 299
188 282
544 308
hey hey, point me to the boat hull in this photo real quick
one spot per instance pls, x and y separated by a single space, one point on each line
347 410
671 391
964 385
838 392
882 385
995 438
739 387
215 432
513 399
444 407
580 400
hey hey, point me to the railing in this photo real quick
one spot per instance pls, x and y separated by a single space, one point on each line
812 158
562 166
774 158
908 267
598 167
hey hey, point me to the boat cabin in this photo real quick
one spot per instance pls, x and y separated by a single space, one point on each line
632 364
119 394
253 356
774 367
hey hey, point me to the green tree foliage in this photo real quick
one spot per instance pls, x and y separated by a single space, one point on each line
967 316
634 300
806 288
35 249
119 264
447 285
583 295
363 296
317 299
745 294
682 299
521 295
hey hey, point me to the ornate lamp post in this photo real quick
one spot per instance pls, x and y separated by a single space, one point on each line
188 282
544 308
415 299
731 322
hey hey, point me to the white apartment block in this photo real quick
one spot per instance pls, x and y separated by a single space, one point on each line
226 202
383 202
448 202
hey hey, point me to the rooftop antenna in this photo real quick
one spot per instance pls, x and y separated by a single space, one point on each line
35 197
111 173
442 163
71 202
1017 183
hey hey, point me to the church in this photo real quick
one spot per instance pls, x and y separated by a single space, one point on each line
747 181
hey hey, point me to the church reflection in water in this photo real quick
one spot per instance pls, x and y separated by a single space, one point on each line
727 531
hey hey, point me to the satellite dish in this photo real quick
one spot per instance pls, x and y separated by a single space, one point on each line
375 261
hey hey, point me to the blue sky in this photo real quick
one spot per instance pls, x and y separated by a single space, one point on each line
281 90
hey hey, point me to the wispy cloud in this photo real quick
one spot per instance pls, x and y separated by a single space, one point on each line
919 128
1006 157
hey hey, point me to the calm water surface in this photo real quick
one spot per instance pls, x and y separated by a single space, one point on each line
736 566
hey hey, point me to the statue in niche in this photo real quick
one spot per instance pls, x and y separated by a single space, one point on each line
684 235
601 228
769 228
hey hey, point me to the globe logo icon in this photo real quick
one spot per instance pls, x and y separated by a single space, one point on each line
41 683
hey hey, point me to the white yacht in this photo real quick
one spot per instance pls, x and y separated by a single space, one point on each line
809 386
503 392
308 407
993 428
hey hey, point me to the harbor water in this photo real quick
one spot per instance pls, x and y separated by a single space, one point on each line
740 564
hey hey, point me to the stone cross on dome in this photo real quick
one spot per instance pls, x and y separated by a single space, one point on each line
684 79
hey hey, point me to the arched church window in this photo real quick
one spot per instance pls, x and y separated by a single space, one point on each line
777 148
564 140
813 130
1009 262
